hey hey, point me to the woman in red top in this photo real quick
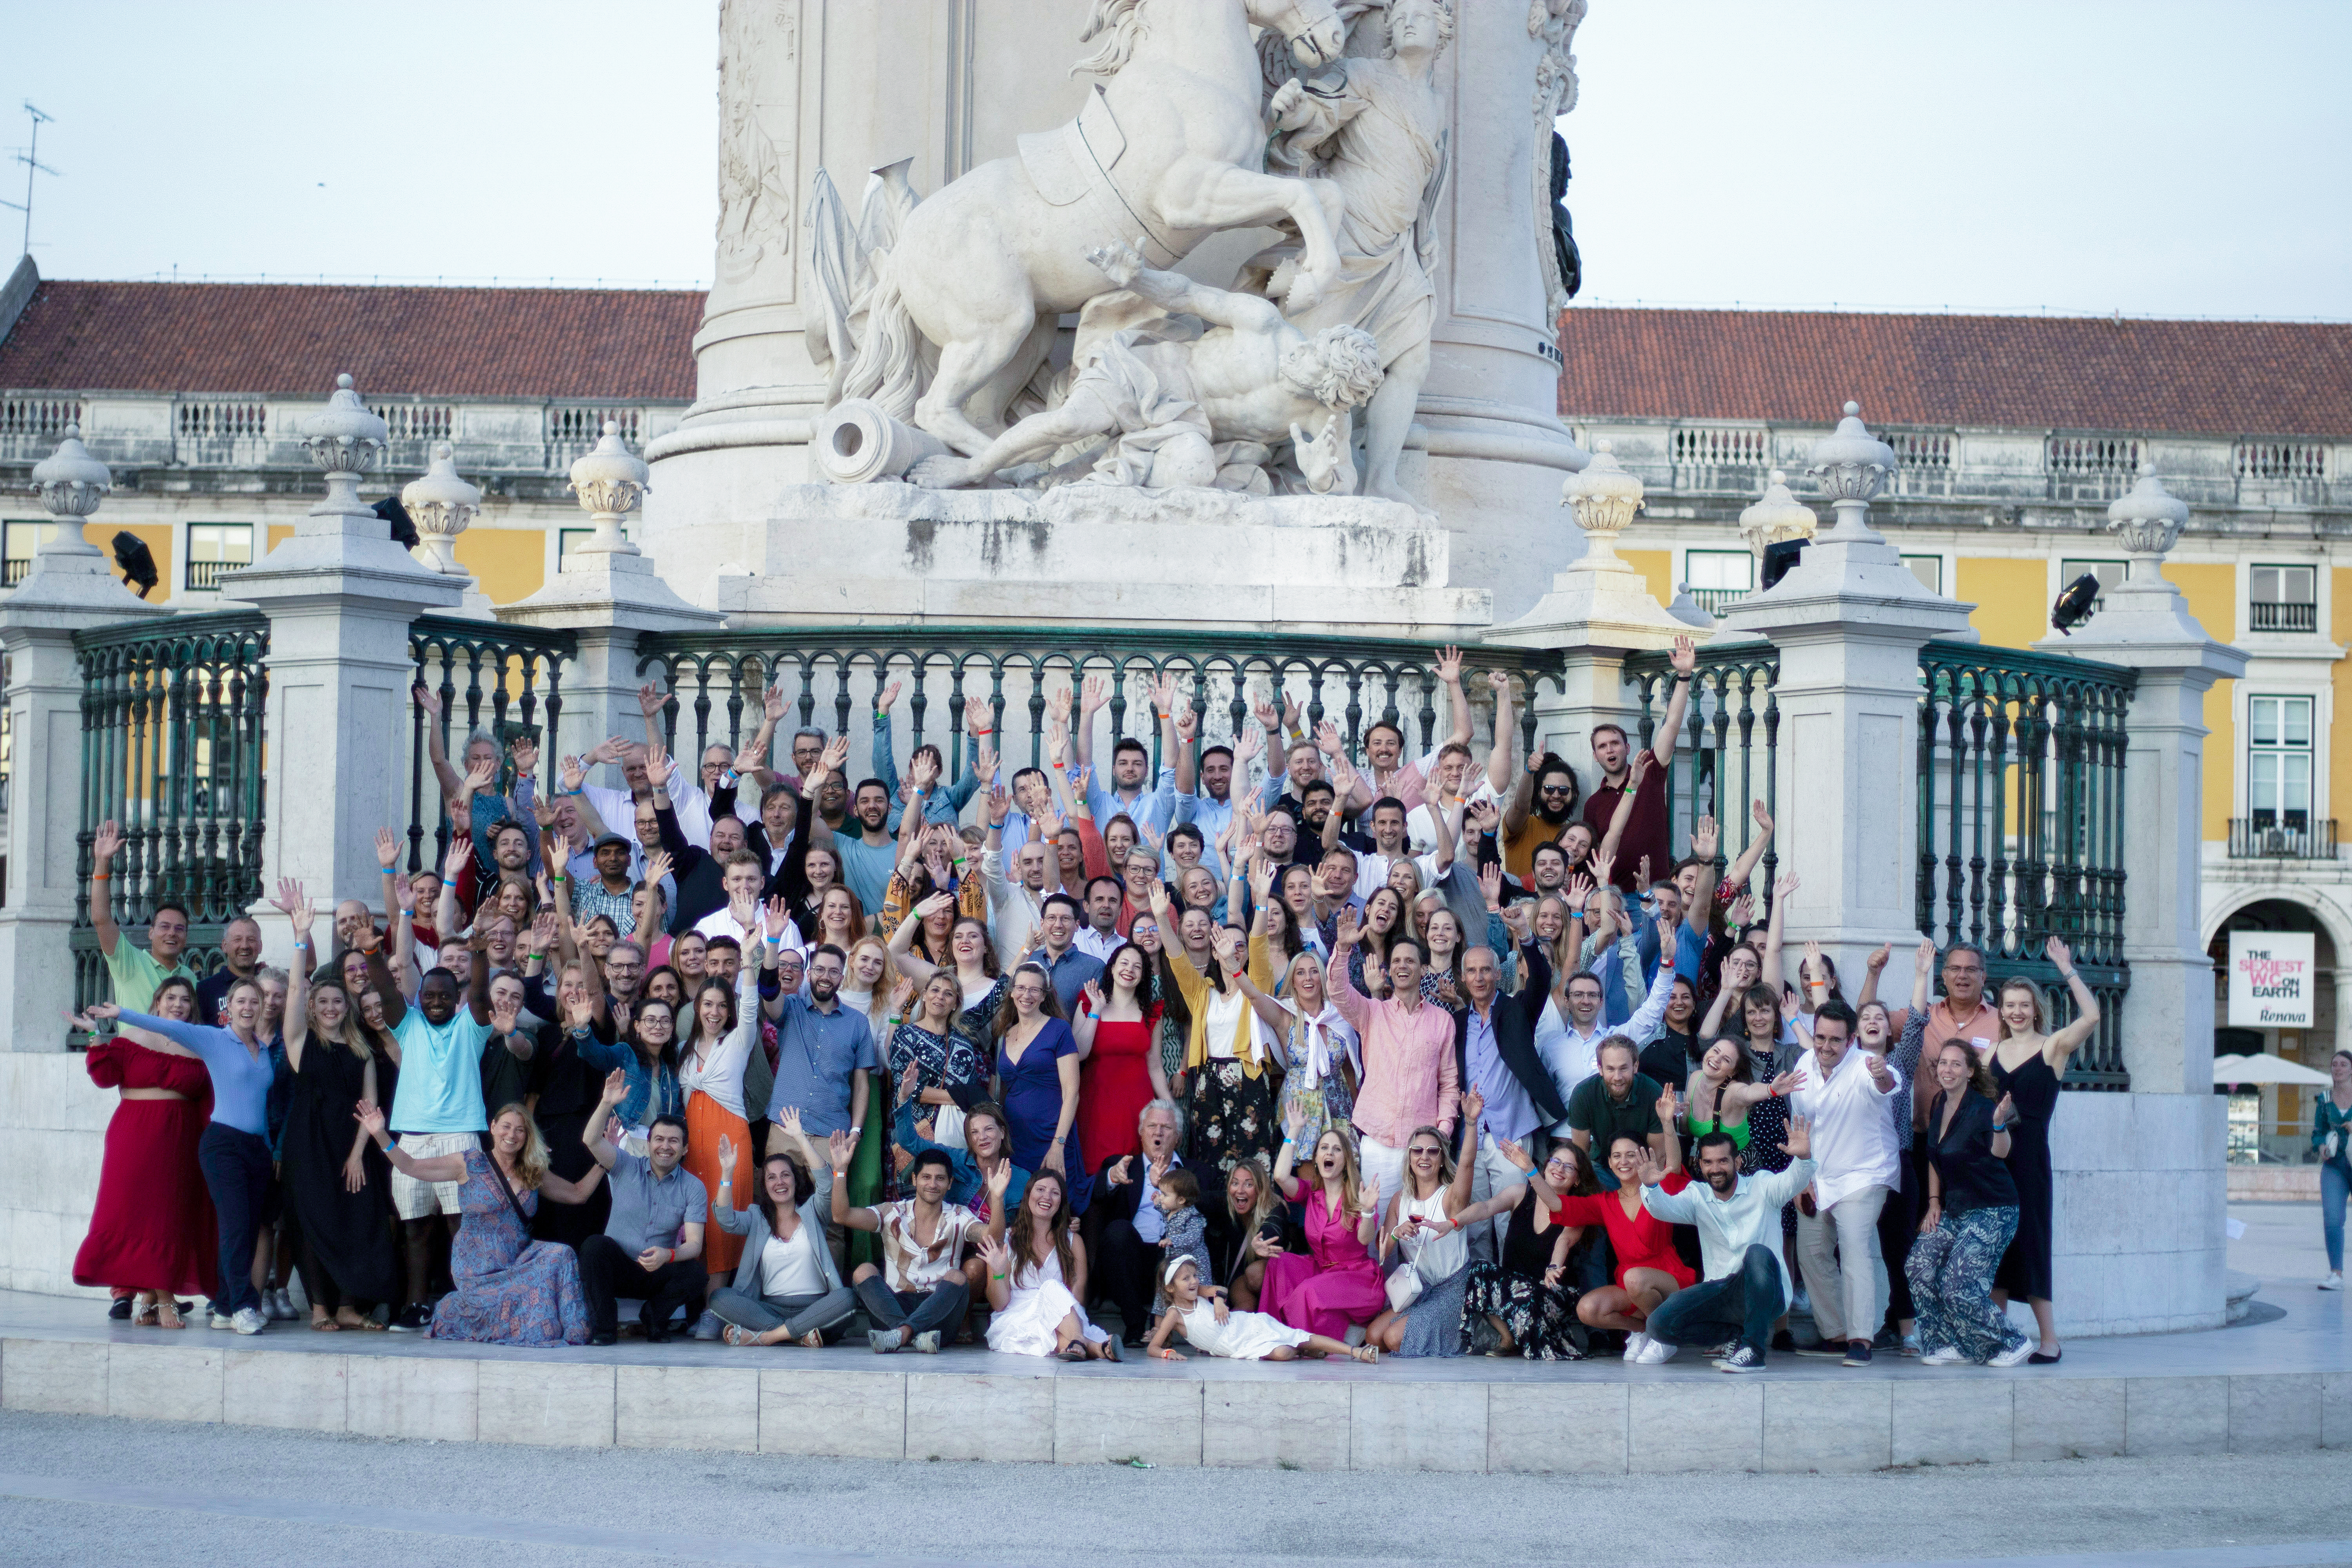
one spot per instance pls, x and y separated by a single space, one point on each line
1119 1071
1648 1268
153 1234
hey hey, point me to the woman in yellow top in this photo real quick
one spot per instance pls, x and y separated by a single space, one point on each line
1227 1064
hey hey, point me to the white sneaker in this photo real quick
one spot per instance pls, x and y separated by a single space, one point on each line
2335 1281
1635 1343
1656 1352
249 1320
220 1320
2014 1356
1943 1355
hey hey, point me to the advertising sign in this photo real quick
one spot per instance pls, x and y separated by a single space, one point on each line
2270 979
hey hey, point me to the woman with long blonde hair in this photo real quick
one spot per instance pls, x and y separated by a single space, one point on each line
1337 1281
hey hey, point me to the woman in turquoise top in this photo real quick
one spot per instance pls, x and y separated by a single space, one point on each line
2331 1138
234 1153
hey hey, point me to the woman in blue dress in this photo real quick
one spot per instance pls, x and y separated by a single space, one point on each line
1038 1081
511 1291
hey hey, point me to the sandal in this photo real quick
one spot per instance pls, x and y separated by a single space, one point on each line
1369 1354
142 1312
167 1314
325 1326
1076 1352
813 1339
369 1326
741 1338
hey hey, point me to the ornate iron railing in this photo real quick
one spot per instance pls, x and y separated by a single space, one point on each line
171 749
1728 751
2020 823
490 678
1353 681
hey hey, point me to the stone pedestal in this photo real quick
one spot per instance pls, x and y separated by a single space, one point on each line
340 595
69 590
1849 620
63 595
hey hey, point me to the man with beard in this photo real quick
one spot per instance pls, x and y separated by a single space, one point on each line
240 953
866 846
825 1061
1746 1284
1539 812
1646 834
1130 759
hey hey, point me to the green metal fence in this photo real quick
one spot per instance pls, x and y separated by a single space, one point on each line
2020 823
171 749
1727 753
718 679
504 681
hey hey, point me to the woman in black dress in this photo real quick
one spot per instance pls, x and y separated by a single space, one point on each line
566 1087
2028 1067
1527 1303
337 1185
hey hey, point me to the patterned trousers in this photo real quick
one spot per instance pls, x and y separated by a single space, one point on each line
1951 1268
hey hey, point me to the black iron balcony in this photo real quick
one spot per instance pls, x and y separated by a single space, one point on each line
2265 839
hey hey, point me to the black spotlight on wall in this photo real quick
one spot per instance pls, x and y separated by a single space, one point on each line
138 562
403 531
2073 605
1780 559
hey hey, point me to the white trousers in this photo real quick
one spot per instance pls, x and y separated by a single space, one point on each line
1844 1272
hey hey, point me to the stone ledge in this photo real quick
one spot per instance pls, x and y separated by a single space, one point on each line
1592 1419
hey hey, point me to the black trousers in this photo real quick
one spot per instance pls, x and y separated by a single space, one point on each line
1127 1265
609 1271
1898 1228
237 1170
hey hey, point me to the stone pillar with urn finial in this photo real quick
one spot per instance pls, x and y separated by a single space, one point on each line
69 589
1848 620
340 595
609 594
1598 610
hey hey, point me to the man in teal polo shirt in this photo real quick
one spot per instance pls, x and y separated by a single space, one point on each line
135 972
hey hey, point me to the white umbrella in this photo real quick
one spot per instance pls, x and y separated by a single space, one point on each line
2266 1068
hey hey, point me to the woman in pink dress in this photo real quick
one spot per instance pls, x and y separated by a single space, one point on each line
1338 1282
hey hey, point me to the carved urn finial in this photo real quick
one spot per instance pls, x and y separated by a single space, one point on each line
1852 466
71 483
345 440
1778 516
1605 498
2148 519
610 481
442 504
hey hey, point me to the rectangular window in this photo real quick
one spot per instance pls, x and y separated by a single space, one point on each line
1928 569
16 551
214 549
2284 599
567 540
2278 762
1718 578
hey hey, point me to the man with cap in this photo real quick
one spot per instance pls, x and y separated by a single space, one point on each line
610 892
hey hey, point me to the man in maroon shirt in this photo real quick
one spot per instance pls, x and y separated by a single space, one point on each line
1645 836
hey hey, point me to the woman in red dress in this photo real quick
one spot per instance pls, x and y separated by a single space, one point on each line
153 1234
1648 1268
1118 1069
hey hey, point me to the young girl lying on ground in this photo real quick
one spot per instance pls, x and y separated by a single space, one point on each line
1215 1330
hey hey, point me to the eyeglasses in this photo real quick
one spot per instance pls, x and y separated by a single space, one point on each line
1426 1153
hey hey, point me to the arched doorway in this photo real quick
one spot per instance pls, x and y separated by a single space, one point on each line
2271 1125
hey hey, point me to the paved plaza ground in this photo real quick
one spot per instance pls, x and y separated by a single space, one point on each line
77 1489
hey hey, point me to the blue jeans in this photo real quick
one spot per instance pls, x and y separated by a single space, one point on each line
2333 1185
1741 1305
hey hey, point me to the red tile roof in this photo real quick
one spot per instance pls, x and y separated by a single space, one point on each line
295 338
2272 378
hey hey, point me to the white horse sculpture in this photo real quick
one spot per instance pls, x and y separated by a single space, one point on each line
1170 144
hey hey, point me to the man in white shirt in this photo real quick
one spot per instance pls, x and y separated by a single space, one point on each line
1570 1054
1738 1220
1099 937
741 917
1843 1092
1386 821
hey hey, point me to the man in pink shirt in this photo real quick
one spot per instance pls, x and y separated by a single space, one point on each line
1410 1079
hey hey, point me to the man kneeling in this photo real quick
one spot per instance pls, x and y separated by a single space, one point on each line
923 1293
1739 1218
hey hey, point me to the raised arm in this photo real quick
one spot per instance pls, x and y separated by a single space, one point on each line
294 905
1770 973
1684 659
435 750
1639 770
1499 755
2061 1044
104 846
600 1148
1745 867
1457 701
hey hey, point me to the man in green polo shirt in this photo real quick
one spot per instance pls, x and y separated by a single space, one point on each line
135 971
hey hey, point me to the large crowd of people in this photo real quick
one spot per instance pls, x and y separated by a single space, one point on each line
1280 1052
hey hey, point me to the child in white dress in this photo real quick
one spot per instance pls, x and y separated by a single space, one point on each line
1214 1330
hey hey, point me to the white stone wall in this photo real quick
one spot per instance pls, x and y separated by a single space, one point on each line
2141 1195
52 1143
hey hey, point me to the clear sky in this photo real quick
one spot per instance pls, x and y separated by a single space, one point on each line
2152 156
